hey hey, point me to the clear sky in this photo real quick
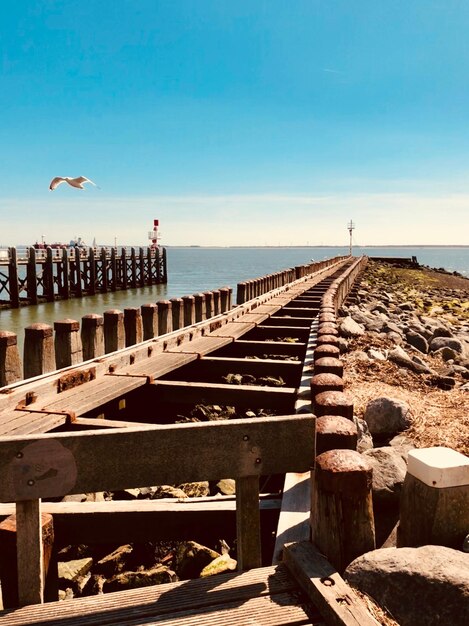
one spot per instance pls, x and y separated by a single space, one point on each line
235 121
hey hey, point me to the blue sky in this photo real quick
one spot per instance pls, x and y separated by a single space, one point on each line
247 121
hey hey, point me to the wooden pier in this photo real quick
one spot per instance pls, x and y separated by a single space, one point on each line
109 423
60 274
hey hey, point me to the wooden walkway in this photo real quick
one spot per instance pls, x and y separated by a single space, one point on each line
110 424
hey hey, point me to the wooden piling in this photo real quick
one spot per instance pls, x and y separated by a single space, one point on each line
241 293
332 340
165 317
133 263
342 509
104 275
78 276
123 264
225 299
334 432
13 279
327 328
325 382
200 307
113 269
8 562
189 310
149 320
177 305
68 348
329 365
39 355
31 276
208 304
65 275
333 403
114 333
326 351
10 361
133 326
92 335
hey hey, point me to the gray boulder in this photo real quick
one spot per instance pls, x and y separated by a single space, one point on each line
446 342
350 328
427 586
446 353
364 439
401 358
417 341
389 469
386 416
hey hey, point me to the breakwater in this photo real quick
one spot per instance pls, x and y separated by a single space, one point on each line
59 274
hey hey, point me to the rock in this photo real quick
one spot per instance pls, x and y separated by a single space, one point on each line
391 327
446 342
71 571
113 563
342 344
131 580
364 439
376 355
444 382
126 494
192 558
394 337
386 416
350 328
403 445
168 491
401 358
446 353
195 490
227 486
223 563
441 331
389 470
417 341
85 497
426 586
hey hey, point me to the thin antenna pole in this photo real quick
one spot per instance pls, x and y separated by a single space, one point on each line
351 227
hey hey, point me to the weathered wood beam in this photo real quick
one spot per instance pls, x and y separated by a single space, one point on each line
133 457
244 347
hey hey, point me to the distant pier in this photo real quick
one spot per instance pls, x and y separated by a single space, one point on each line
45 275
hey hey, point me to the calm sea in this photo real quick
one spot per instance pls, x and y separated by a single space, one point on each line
191 270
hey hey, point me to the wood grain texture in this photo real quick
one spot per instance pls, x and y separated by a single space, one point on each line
29 552
248 523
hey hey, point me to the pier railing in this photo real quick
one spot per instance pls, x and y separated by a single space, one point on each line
59 274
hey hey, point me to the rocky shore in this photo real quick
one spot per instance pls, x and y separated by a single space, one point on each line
404 338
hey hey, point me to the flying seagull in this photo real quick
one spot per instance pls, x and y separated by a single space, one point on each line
73 182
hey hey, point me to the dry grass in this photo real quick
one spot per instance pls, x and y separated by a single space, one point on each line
376 611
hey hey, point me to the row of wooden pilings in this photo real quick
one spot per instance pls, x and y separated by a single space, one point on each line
52 274
257 286
102 334
342 522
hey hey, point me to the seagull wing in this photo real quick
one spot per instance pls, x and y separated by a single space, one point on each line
55 182
81 180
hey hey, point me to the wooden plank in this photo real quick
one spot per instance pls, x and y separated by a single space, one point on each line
293 523
243 347
165 519
273 332
29 552
281 398
289 370
301 322
141 605
233 329
248 523
93 423
132 457
337 602
204 345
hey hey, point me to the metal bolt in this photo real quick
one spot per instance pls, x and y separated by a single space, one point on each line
19 455
258 461
246 438
31 482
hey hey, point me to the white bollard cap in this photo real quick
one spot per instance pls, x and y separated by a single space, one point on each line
439 467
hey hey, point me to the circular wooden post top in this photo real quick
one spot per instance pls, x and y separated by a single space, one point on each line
333 403
92 319
344 471
113 313
132 311
67 325
329 364
327 328
335 425
326 350
39 329
149 305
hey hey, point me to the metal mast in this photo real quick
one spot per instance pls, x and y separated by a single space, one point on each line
351 227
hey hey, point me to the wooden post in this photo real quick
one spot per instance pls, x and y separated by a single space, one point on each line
133 261
434 507
114 334
9 565
208 304
326 350
159 273
92 336
327 328
92 272
241 293
333 403
65 274
225 304
329 365
105 281
342 509
189 310
216 302
200 307
248 523
31 276
141 261
68 349
165 317
78 276
149 320
39 356
165 267
124 268
133 326
13 279
10 362
177 305
331 340
325 382
113 269
335 433
48 275
149 280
